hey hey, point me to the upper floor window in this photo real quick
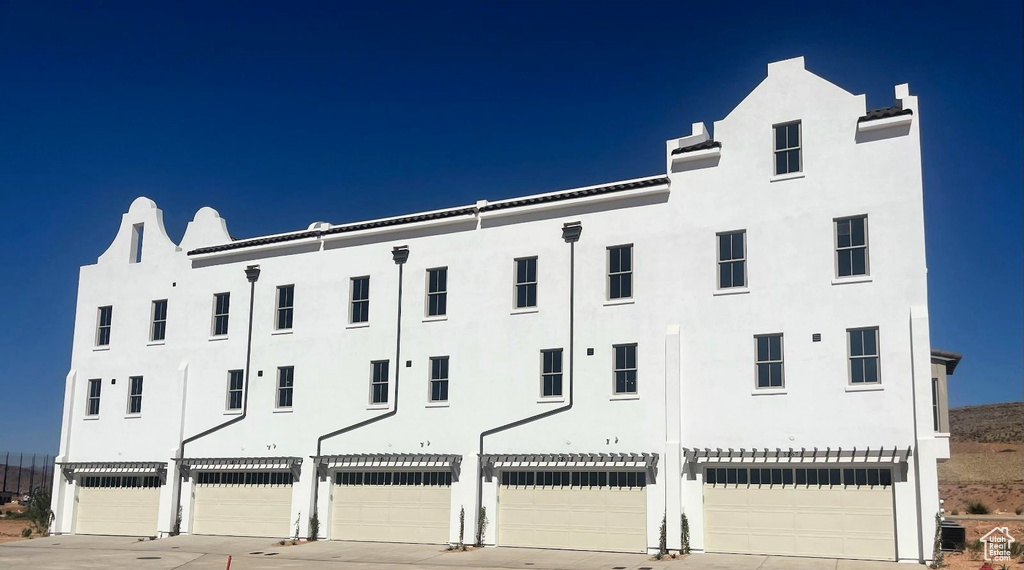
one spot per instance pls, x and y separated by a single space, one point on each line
379 382
864 356
852 246
935 403
732 259
360 312
138 232
135 395
92 399
285 306
625 368
285 386
551 373
437 292
221 304
620 272
787 148
439 379
526 282
103 325
235 387
158 328
768 361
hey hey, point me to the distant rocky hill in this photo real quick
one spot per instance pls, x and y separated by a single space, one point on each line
990 423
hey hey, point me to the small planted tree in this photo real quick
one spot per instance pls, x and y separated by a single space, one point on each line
481 526
176 529
462 528
38 513
663 538
684 528
314 526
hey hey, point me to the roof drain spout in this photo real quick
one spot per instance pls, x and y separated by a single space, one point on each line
400 254
252 273
571 234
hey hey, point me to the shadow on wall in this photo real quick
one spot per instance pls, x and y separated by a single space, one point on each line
882 134
572 211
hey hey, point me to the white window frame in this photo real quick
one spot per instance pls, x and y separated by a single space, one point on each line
377 381
516 283
442 293
353 302
154 321
226 315
282 310
231 391
281 388
101 327
935 404
799 148
545 373
781 362
90 398
626 369
850 357
440 379
628 274
838 248
134 397
741 260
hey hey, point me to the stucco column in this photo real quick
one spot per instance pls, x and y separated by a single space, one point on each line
671 465
62 492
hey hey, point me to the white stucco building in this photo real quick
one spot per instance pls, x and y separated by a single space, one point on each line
742 338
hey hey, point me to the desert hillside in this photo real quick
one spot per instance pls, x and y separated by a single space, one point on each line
990 423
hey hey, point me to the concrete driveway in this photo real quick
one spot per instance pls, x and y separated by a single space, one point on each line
208 553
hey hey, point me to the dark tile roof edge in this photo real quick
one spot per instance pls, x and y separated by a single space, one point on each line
253 242
950 359
708 144
885 113
572 194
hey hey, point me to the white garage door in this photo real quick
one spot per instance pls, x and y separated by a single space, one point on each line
583 510
117 505
829 512
255 503
392 506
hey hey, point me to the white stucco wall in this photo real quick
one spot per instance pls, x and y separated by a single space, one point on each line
703 389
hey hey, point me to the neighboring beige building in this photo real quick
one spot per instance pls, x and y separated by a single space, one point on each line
943 365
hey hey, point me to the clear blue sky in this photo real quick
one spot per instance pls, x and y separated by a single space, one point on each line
281 114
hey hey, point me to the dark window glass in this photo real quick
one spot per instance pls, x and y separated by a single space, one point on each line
864 356
135 395
769 361
437 291
755 476
285 386
360 299
93 399
801 476
104 321
285 306
625 368
620 272
158 331
885 477
849 477
731 260
787 476
235 380
439 379
741 476
787 148
221 307
526 282
851 246
551 372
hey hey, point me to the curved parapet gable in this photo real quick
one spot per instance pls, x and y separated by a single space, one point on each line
141 238
207 228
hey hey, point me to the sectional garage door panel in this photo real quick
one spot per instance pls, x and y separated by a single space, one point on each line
242 510
391 513
117 511
843 521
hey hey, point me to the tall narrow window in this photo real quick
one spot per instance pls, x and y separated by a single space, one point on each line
92 402
379 382
787 148
732 259
625 368
135 395
138 232
439 379
852 246
437 292
360 300
103 321
620 272
285 385
285 306
935 403
551 373
235 387
158 329
768 361
864 356
526 282
221 305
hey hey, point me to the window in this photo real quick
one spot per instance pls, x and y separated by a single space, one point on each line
285 305
401 478
852 246
221 304
158 330
620 272
253 478
360 312
103 325
526 282
135 395
138 232
625 368
437 292
439 379
379 382
620 479
768 360
235 387
799 476
935 404
551 373
787 148
285 385
864 356
92 400
121 481
732 260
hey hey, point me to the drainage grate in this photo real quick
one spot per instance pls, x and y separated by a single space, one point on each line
148 558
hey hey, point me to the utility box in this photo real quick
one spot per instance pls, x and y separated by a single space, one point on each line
952 537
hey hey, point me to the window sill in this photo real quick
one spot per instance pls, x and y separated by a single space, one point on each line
435 319
132 416
218 337
615 302
865 388
769 392
101 348
789 176
91 418
437 404
731 291
856 279
282 410
551 400
623 397
941 435
525 311
237 412
156 343
281 331
377 407
358 325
